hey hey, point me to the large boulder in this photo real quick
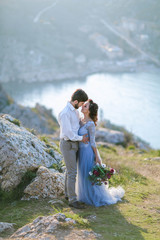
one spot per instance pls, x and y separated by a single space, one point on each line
108 135
20 151
49 183
53 227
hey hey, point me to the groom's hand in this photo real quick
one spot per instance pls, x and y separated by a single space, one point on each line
85 138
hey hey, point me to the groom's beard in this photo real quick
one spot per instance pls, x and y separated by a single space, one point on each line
76 106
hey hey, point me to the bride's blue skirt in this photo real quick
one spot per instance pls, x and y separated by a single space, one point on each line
93 194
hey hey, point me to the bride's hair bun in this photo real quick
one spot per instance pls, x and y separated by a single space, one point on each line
93 109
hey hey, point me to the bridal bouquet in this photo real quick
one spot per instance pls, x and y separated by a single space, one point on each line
100 174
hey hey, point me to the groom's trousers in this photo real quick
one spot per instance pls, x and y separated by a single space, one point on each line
69 150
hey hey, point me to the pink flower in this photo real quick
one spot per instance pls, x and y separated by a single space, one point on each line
105 183
95 172
108 176
112 170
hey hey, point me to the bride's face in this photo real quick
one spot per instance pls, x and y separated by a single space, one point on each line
85 108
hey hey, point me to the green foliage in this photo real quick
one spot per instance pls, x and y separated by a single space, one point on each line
17 192
80 221
131 147
16 122
100 174
23 212
49 145
33 131
126 176
44 139
57 166
135 218
107 149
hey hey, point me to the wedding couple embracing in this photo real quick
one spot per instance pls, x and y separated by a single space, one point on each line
78 146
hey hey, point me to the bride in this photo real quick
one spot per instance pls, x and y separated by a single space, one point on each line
89 156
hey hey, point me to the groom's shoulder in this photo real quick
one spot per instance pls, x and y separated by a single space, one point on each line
65 110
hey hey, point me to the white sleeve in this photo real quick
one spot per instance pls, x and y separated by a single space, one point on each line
66 128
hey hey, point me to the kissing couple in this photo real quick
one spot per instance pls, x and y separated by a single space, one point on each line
78 146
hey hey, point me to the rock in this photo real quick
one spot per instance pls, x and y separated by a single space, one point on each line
47 184
56 201
39 118
4 226
142 145
70 220
53 227
152 159
39 227
111 136
91 217
20 151
61 217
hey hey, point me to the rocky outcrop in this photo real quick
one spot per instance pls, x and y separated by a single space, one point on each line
102 135
108 135
53 227
20 151
38 118
4 226
49 183
141 144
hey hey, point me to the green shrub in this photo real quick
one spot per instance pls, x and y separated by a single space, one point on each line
15 121
131 147
44 139
33 131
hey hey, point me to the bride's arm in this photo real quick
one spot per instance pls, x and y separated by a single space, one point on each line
92 130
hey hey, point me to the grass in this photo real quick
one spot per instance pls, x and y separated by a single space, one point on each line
16 122
137 217
58 166
48 141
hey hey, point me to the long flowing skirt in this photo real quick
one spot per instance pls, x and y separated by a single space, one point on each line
93 194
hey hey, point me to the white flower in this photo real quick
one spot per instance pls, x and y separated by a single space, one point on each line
98 179
114 171
97 164
90 173
103 165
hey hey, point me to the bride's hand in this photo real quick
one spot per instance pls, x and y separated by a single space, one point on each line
98 160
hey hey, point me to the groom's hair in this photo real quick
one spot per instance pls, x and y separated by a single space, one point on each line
79 95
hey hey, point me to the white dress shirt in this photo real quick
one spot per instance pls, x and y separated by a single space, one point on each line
69 120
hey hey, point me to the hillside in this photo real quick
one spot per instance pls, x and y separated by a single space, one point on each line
135 218
69 39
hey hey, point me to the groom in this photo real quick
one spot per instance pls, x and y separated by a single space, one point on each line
69 125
